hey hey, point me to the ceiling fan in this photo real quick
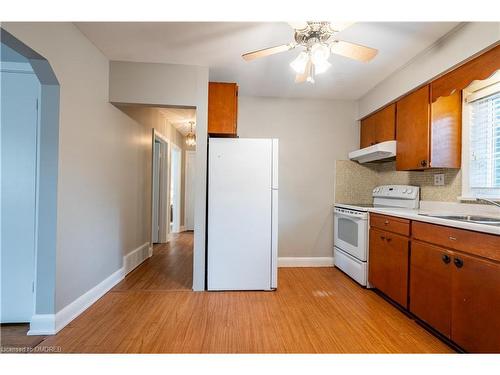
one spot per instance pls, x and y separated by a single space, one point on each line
318 39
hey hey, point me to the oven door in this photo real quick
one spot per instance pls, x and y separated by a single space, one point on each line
351 232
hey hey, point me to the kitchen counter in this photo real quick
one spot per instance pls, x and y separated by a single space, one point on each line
414 214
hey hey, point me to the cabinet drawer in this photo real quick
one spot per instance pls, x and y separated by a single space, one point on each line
476 243
390 223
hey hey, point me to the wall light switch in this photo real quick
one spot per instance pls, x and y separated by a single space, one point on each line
439 179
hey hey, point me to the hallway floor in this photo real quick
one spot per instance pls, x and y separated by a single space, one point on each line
314 310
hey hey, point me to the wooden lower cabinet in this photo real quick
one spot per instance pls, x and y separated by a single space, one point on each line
430 285
457 294
475 307
388 265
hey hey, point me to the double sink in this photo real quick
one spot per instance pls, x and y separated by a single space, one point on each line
469 218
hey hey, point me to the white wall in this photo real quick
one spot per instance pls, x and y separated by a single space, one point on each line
101 162
312 134
175 85
455 48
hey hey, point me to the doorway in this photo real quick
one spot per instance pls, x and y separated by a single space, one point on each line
160 219
29 175
19 119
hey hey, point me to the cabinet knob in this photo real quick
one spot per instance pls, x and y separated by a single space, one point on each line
446 259
386 222
452 238
423 163
389 239
458 262
382 237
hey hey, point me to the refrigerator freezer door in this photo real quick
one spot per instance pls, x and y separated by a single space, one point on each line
239 214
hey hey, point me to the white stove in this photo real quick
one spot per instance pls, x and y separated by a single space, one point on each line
351 227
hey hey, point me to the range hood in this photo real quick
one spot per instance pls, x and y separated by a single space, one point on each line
380 151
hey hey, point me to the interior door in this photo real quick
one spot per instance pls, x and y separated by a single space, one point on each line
19 121
430 285
189 190
156 192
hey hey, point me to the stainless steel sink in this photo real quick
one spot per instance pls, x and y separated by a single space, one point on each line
469 218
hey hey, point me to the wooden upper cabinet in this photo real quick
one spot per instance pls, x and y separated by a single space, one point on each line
446 131
429 135
413 130
379 127
222 108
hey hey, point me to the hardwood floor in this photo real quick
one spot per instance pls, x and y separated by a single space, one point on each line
314 310
13 338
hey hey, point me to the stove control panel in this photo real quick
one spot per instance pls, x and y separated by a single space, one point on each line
397 192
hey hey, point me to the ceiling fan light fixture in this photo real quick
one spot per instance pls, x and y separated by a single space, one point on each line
319 53
300 62
321 66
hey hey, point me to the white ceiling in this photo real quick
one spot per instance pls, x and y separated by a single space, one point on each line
180 117
219 45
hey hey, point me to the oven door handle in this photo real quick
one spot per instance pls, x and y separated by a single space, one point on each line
354 216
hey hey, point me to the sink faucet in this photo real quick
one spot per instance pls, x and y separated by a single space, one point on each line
489 201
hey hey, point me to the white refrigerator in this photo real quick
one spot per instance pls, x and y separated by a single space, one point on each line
242 225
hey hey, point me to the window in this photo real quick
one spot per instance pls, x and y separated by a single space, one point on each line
481 154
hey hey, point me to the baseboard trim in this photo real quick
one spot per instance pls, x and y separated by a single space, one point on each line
305 262
182 228
136 257
50 324
42 324
82 303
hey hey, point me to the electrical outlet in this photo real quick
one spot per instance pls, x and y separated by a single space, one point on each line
439 179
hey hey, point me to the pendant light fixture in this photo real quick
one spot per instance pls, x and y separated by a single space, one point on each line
191 137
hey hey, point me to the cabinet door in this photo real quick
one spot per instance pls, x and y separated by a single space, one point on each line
385 124
430 285
446 134
388 264
475 314
222 108
413 130
367 137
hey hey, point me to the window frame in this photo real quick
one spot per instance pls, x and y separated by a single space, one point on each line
467 193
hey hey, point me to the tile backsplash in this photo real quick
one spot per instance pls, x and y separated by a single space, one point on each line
354 182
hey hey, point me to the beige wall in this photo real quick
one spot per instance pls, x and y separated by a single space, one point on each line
180 86
153 118
102 155
312 134
354 182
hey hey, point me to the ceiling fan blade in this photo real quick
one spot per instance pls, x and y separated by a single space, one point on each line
267 51
339 26
353 50
298 25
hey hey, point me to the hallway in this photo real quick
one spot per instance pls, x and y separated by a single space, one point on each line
314 310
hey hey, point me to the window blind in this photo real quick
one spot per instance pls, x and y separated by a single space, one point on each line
484 162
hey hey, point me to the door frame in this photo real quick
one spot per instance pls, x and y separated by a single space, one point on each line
176 219
187 198
164 191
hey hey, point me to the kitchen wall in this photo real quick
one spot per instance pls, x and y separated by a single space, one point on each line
102 154
153 118
312 135
354 182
